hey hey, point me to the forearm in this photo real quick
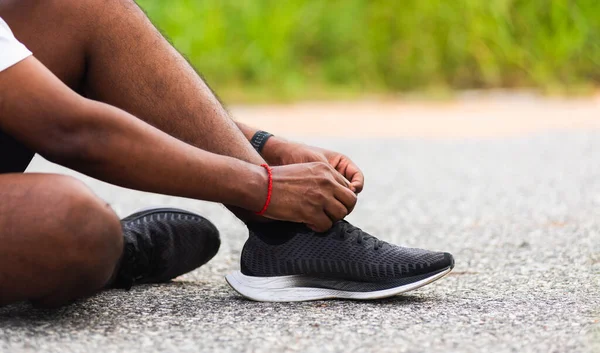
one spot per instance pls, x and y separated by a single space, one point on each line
113 146
248 131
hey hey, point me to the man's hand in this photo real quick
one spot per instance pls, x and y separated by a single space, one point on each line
311 193
278 151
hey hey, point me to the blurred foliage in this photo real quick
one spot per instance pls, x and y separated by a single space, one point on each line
305 48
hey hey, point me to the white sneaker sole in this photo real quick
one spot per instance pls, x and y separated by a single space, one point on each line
286 288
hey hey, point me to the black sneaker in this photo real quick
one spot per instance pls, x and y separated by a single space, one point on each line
163 243
284 261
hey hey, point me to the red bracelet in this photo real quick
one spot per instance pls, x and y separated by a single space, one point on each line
270 189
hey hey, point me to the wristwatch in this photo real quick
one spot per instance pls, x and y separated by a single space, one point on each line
259 140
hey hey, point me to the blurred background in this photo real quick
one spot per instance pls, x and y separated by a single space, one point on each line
270 50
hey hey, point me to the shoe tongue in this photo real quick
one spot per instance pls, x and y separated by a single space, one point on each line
277 232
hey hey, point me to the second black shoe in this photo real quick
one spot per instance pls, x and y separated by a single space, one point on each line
163 243
284 261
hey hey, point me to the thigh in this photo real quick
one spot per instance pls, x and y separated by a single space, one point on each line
14 156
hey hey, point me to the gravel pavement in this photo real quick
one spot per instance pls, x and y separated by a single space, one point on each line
520 214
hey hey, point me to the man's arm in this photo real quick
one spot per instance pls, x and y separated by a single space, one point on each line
112 145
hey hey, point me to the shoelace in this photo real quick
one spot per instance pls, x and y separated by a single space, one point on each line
349 229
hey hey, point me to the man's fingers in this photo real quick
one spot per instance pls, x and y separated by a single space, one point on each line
340 178
336 211
353 173
350 171
358 182
347 197
320 222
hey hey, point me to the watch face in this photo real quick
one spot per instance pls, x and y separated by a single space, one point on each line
259 139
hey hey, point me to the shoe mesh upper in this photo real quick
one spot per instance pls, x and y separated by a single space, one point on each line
162 244
344 252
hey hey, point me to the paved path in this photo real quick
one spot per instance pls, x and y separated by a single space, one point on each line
520 214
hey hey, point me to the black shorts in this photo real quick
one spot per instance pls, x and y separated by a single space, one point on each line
14 156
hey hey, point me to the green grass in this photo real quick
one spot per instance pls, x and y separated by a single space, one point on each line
276 49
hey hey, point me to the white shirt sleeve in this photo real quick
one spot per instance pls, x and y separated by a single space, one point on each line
11 50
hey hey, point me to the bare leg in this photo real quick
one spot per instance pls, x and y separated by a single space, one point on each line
59 241
110 51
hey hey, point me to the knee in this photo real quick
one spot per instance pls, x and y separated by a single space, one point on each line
95 232
88 238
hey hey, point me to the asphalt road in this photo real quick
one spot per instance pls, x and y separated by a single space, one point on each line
521 215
